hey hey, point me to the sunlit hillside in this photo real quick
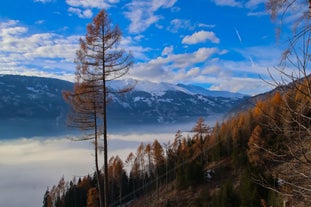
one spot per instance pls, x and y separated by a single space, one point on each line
256 158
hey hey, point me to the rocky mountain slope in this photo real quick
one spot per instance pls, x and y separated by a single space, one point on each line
29 99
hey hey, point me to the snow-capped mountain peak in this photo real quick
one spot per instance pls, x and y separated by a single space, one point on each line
199 90
159 89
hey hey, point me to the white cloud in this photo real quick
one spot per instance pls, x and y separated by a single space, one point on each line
231 3
43 1
242 85
17 40
99 4
138 37
8 31
142 15
25 53
82 8
207 66
258 14
113 1
167 50
51 55
47 54
189 59
8 23
141 20
185 24
193 72
156 4
254 3
40 22
175 9
178 24
206 25
200 37
131 45
82 14
173 68
211 70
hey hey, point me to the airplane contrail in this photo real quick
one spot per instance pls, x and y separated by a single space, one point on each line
240 39
252 61
238 34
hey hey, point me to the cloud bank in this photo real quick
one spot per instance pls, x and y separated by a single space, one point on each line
30 166
22 52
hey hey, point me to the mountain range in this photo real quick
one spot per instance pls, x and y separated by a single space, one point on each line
33 106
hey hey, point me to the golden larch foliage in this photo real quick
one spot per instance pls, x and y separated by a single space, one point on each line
92 198
255 143
276 99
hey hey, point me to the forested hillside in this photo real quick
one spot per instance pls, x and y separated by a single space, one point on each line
260 157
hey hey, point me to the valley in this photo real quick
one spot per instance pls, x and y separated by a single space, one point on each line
34 106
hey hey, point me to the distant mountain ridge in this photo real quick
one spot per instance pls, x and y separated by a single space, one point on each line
199 90
160 88
32 97
26 100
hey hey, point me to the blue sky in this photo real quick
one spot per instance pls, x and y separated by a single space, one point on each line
218 44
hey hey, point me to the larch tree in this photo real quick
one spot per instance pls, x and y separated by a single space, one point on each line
140 156
159 161
295 13
157 154
47 200
289 113
118 170
201 128
92 198
98 60
134 173
255 145
86 104
147 152
201 131
294 103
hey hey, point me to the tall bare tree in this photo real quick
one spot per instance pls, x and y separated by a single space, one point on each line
293 13
86 104
99 60
290 124
290 121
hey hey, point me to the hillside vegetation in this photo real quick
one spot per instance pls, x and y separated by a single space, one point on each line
260 157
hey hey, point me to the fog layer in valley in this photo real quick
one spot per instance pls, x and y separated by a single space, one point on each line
30 165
